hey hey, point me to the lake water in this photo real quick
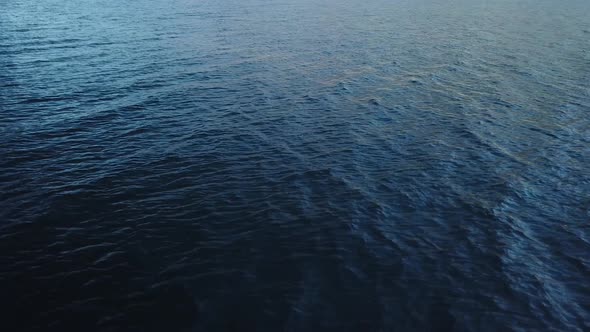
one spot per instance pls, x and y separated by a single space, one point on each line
295 165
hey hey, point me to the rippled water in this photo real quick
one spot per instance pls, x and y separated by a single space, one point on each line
295 165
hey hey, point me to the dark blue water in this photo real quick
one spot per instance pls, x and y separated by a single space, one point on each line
295 165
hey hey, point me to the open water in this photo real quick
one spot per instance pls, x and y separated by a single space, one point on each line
295 165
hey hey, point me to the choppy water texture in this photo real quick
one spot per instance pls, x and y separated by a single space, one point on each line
295 165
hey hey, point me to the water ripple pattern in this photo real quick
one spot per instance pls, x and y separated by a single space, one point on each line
295 165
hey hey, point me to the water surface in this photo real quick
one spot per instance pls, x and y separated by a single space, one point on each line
295 165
